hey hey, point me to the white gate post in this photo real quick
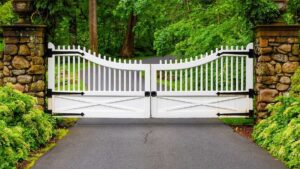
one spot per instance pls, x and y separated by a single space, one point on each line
51 76
249 74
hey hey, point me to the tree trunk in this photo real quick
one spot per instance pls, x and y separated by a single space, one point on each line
127 49
93 25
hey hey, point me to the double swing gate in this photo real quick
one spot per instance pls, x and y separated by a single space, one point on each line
84 84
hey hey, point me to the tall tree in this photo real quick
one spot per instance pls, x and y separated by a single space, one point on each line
130 10
93 25
127 49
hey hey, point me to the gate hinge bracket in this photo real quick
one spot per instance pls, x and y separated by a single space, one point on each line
251 93
68 93
48 111
250 114
68 114
49 93
49 53
251 53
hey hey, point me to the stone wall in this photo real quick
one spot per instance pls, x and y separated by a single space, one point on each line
22 62
277 49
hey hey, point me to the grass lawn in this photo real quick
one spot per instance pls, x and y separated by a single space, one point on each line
238 121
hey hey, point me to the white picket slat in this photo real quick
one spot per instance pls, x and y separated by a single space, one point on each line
78 74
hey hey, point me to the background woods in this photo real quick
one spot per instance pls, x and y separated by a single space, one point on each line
130 28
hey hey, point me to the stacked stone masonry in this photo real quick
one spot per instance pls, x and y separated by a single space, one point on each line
277 49
22 62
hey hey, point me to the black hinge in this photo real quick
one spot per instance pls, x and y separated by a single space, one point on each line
68 93
50 52
147 94
68 114
48 111
49 93
233 53
251 53
250 93
249 114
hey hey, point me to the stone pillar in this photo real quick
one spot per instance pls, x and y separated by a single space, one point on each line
22 63
277 50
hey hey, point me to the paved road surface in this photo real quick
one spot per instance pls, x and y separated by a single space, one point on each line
155 144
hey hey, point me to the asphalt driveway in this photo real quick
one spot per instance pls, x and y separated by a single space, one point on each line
155 144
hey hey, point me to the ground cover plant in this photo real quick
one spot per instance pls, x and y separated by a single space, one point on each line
280 133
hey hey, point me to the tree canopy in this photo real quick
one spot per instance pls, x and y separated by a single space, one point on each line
155 27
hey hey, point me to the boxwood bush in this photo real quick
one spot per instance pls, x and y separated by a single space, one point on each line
280 133
22 127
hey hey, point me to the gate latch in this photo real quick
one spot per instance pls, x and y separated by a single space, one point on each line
152 94
147 94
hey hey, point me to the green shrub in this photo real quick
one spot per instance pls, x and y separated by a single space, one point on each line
12 146
22 127
65 122
14 104
280 133
295 86
39 128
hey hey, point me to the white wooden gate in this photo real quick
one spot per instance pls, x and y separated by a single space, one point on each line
83 84
80 83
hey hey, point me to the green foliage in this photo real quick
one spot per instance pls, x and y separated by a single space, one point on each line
1 45
261 11
206 27
66 122
295 86
280 133
294 10
183 28
238 121
6 13
14 105
6 17
22 127
12 146
39 128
